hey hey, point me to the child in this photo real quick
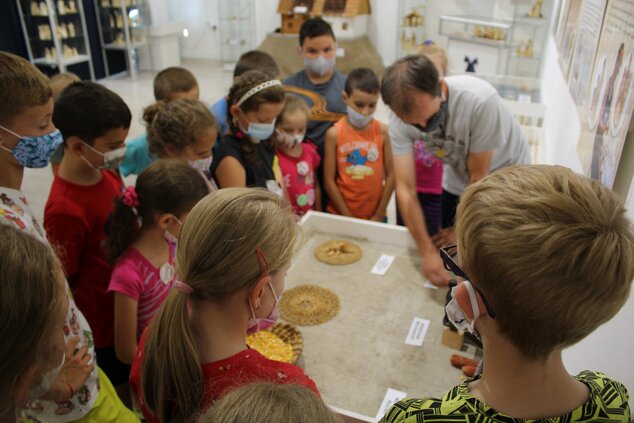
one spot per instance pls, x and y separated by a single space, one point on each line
271 403
251 60
298 160
233 254
59 82
429 167
33 305
142 277
319 84
245 156
169 84
547 256
358 172
29 115
183 129
94 122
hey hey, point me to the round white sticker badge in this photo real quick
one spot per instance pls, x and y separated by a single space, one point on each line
166 273
303 168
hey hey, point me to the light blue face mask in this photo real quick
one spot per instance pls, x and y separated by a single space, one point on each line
34 152
259 131
357 119
320 65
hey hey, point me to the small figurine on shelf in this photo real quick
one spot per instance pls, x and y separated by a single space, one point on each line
413 19
119 20
71 30
525 50
105 3
72 8
471 64
43 9
116 3
111 21
61 7
35 9
50 54
536 10
119 40
62 31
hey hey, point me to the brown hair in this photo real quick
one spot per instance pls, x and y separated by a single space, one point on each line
176 124
413 73
59 81
256 59
293 104
173 80
166 186
274 94
555 261
22 86
272 403
30 306
432 49
216 257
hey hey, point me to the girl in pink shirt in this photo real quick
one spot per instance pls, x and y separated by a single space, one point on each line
142 243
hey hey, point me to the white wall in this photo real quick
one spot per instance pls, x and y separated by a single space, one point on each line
382 29
200 17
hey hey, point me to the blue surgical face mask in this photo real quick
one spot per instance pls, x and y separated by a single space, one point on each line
259 131
320 65
357 119
436 120
34 152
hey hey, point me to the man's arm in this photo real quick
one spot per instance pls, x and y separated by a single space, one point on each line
412 213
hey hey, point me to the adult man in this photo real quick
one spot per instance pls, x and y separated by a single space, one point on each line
464 122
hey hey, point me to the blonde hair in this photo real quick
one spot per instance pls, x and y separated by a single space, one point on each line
22 86
176 124
60 81
555 261
271 403
293 104
30 301
216 258
432 50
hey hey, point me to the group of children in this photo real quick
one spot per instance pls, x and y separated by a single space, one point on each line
157 284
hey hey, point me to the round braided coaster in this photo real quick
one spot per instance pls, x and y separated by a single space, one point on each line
308 305
338 252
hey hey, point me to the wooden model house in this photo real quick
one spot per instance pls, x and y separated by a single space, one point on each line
349 18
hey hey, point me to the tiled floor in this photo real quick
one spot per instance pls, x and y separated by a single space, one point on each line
137 93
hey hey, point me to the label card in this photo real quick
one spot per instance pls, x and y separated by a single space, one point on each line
417 332
383 263
341 52
392 396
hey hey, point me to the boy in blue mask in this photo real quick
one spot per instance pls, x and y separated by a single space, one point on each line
546 256
94 122
319 84
27 139
358 171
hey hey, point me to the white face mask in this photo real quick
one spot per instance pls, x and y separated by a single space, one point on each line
289 140
455 314
46 382
320 65
202 165
111 159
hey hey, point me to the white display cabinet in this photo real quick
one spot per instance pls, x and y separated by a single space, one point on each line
55 33
411 26
528 37
472 38
237 30
123 27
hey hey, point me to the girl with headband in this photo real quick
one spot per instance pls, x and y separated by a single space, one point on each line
246 153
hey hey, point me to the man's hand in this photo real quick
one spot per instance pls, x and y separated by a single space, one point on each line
444 237
434 269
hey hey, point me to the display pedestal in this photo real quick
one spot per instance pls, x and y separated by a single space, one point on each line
164 47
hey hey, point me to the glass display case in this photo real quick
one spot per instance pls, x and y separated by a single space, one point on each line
55 33
122 27
237 30
411 21
528 37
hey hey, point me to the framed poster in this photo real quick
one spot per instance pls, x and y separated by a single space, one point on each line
585 49
608 112
567 34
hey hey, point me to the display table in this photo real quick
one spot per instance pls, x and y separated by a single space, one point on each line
355 357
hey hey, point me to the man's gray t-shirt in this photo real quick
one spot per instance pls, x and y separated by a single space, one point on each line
324 100
476 121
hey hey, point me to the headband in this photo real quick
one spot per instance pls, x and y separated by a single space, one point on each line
261 87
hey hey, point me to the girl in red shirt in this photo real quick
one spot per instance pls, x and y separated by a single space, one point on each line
233 254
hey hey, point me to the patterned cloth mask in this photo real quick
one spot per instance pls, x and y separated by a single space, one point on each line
34 152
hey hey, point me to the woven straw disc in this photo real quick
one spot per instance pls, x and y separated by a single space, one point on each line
338 252
308 305
287 336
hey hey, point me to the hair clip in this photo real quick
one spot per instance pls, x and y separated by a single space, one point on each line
183 287
130 199
262 261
